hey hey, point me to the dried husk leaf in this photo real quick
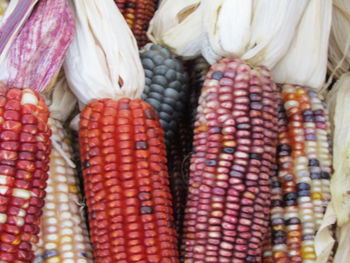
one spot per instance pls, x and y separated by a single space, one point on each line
305 63
61 101
36 55
11 22
339 45
338 100
103 60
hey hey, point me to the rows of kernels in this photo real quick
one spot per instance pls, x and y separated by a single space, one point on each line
304 167
166 87
323 146
138 14
24 151
64 237
126 183
279 247
298 128
226 215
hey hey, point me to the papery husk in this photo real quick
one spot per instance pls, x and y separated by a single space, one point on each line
288 37
177 25
61 101
339 44
37 53
338 100
12 20
3 6
103 60
305 63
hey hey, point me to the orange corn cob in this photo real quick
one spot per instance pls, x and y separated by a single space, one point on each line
138 14
24 163
126 183
235 139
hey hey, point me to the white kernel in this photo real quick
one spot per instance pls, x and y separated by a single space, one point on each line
52 221
78 238
3 190
67 260
29 98
68 255
3 179
62 197
61 169
291 103
62 187
19 221
22 212
65 215
49 189
81 260
3 218
67 231
52 237
67 223
279 247
66 239
61 178
49 246
51 229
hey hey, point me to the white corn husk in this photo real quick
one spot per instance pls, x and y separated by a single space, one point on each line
305 63
339 44
288 37
338 100
103 60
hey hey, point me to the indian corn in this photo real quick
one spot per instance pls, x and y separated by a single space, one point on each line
166 86
64 236
138 14
126 182
235 137
301 190
24 163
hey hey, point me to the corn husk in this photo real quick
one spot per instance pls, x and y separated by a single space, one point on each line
37 53
305 63
103 60
288 37
339 45
12 20
3 6
338 100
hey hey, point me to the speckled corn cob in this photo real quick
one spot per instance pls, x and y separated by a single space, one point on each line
138 14
64 237
235 137
24 163
166 86
301 191
126 183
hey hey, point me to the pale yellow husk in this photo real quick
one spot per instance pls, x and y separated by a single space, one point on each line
339 45
288 37
338 100
103 59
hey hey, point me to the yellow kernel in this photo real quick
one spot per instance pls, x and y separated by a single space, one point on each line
16 241
300 91
73 189
308 256
53 260
316 196
229 144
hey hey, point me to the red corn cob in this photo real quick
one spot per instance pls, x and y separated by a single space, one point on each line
138 14
227 211
24 151
126 182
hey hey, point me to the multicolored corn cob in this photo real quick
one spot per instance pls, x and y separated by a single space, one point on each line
166 86
138 14
235 139
64 237
24 163
126 182
301 190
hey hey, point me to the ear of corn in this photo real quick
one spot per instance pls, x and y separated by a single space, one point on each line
126 182
166 87
227 211
138 14
301 190
64 237
24 163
